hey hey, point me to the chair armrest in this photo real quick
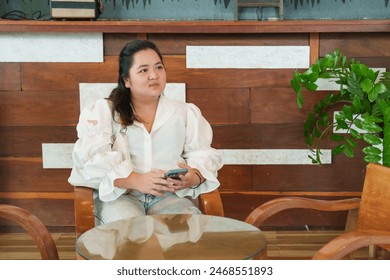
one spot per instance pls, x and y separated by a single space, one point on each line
349 242
83 209
211 203
266 210
34 226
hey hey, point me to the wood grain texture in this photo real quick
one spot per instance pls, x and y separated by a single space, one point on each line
32 108
34 226
239 205
42 77
10 76
217 105
20 246
229 27
278 105
226 78
378 62
356 45
314 47
259 136
39 76
26 141
113 43
174 44
51 212
375 208
343 174
36 195
27 175
274 206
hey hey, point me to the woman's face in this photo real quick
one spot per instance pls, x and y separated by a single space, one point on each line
147 76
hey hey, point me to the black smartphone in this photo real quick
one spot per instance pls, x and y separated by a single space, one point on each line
175 173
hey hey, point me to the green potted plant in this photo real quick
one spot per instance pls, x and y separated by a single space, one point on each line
364 97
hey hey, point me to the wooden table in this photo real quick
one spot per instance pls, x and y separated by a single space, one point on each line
173 237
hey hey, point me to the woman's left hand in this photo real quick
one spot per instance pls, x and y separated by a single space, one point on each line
190 179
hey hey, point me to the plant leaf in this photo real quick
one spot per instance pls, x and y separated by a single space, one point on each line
341 124
370 150
313 160
361 69
372 139
366 85
338 149
380 88
372 119
336 137
355 134
347 110
299 100
372 95
386 115
358 123
372 127
356 104
311 86
372 158
316 132
348 151
351 143
383 106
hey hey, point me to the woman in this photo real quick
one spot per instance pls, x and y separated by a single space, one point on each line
127 143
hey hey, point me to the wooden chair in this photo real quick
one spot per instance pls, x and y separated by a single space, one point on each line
34 227
373 221
209 203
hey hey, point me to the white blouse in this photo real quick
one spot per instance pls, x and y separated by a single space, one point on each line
105 151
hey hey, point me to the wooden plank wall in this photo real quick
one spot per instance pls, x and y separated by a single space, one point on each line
248 109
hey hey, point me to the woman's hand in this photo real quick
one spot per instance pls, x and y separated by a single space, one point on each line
152 182
193 178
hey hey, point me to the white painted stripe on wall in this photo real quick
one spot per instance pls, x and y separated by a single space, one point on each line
252 57
272 157
51 47
90 92
329 84
60 156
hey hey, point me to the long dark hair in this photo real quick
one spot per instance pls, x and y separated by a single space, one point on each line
121 95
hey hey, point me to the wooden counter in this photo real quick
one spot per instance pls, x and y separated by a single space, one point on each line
282 26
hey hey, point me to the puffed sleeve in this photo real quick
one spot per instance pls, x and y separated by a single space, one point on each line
198 152
97 157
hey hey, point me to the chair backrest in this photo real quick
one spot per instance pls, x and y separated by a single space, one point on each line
374 210
34 227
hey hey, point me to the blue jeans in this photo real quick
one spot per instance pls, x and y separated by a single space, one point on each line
137 204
